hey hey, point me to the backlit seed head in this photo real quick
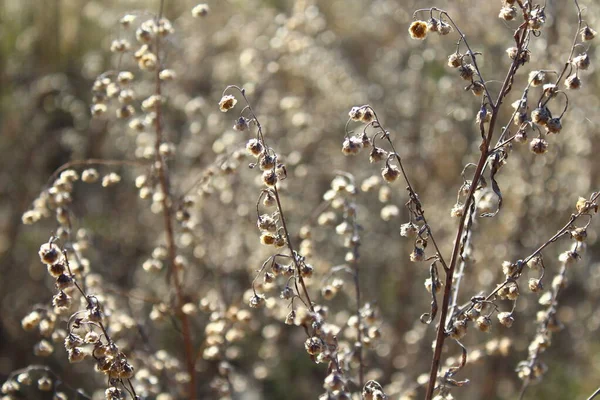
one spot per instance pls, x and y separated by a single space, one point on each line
269 200
328 292
538 146
506 319
429 285
459 329
535 285
537 78
587 34
241 124
367 115
466 71
418 254
314 345
352 146
541 115
455 60
50 253
553 125
445 28
254 147
227 103
257 301
44 384
267 162
573 82
550 89
579 234
418 30
98 109
484 323
356 113
390 173
537 19
457 210
268 238
508 13
477 88
582 61
269 178
63 282
201 10
409 230
89 175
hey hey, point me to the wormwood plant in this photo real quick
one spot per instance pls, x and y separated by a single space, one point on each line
167 339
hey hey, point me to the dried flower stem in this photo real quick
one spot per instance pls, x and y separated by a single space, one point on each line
162 170
520 35
543 328
293 253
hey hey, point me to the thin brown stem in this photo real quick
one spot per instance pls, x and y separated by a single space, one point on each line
485 145
162 170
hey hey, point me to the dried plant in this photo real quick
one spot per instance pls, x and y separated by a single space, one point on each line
164 289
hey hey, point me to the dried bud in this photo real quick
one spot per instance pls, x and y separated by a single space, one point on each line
352 146
455 60
390 173
508 13
535 285
254 147
484 323
573 82
466 71
587 34
506 319
582 61
227 103
553 125
418 30
541 115
538 146
377 154
201 10
314 345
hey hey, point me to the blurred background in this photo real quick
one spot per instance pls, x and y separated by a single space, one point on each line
304 64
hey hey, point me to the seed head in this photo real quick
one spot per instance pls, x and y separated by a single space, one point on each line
418 30
537 78
573 82
390 173
466 71
409 230
484 323
587 34
582 61
50 253
418 254
506 319
508 13
553 125
269 178
314 345
541 115
227 103
201 10
455 60
538 146
352 146
579 234
254 147
257 300
477 88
